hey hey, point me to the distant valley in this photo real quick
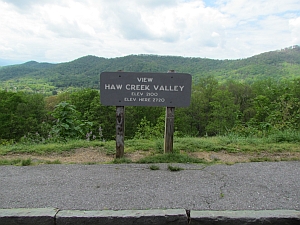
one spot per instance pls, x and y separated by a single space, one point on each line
84 72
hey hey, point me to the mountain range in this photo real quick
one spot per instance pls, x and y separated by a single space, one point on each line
84 72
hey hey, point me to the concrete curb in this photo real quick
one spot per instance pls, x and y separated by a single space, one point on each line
52 216
274 217
128 217
22 216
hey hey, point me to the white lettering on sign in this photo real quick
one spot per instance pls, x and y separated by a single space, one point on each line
137 93
113 87
143 87
151 94
144 79
137 87
129 99
145 99
158 100
168 88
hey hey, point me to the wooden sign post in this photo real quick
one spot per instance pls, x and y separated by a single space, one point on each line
120 131
122 89
169 127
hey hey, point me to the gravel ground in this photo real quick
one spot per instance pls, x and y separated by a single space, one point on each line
242 186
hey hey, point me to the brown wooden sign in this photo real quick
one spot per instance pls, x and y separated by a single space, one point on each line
145 89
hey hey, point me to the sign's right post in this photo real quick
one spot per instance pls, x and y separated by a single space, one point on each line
169 127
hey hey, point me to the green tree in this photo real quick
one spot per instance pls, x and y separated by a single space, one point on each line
223 114
20 113
195 118
286 113
243 98
82 100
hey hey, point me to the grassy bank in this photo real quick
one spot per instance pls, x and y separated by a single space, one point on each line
153 149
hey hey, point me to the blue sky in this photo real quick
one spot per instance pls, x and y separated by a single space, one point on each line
63 30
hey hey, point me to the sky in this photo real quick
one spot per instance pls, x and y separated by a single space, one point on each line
63 30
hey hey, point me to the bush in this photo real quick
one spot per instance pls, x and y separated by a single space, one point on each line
68 124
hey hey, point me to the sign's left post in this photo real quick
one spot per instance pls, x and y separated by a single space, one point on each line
120 130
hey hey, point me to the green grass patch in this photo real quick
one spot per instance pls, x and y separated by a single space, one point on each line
110 147
26 162
16 162
41 149
121 161
285 136
6 162
191 144
200 144
139 144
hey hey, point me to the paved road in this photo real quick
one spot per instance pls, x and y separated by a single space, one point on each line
245 186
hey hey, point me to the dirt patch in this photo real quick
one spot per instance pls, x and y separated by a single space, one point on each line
231 158
80 155
97 155
221 156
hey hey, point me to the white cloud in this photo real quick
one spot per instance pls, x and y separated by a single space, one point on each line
252 10
295 30
62 30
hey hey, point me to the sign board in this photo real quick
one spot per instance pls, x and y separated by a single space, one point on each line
145 89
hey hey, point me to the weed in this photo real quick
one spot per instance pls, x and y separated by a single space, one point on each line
174 168
26 162
154 167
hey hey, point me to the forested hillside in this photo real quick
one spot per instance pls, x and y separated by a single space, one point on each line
84 72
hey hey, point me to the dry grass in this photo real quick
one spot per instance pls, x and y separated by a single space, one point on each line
93 155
